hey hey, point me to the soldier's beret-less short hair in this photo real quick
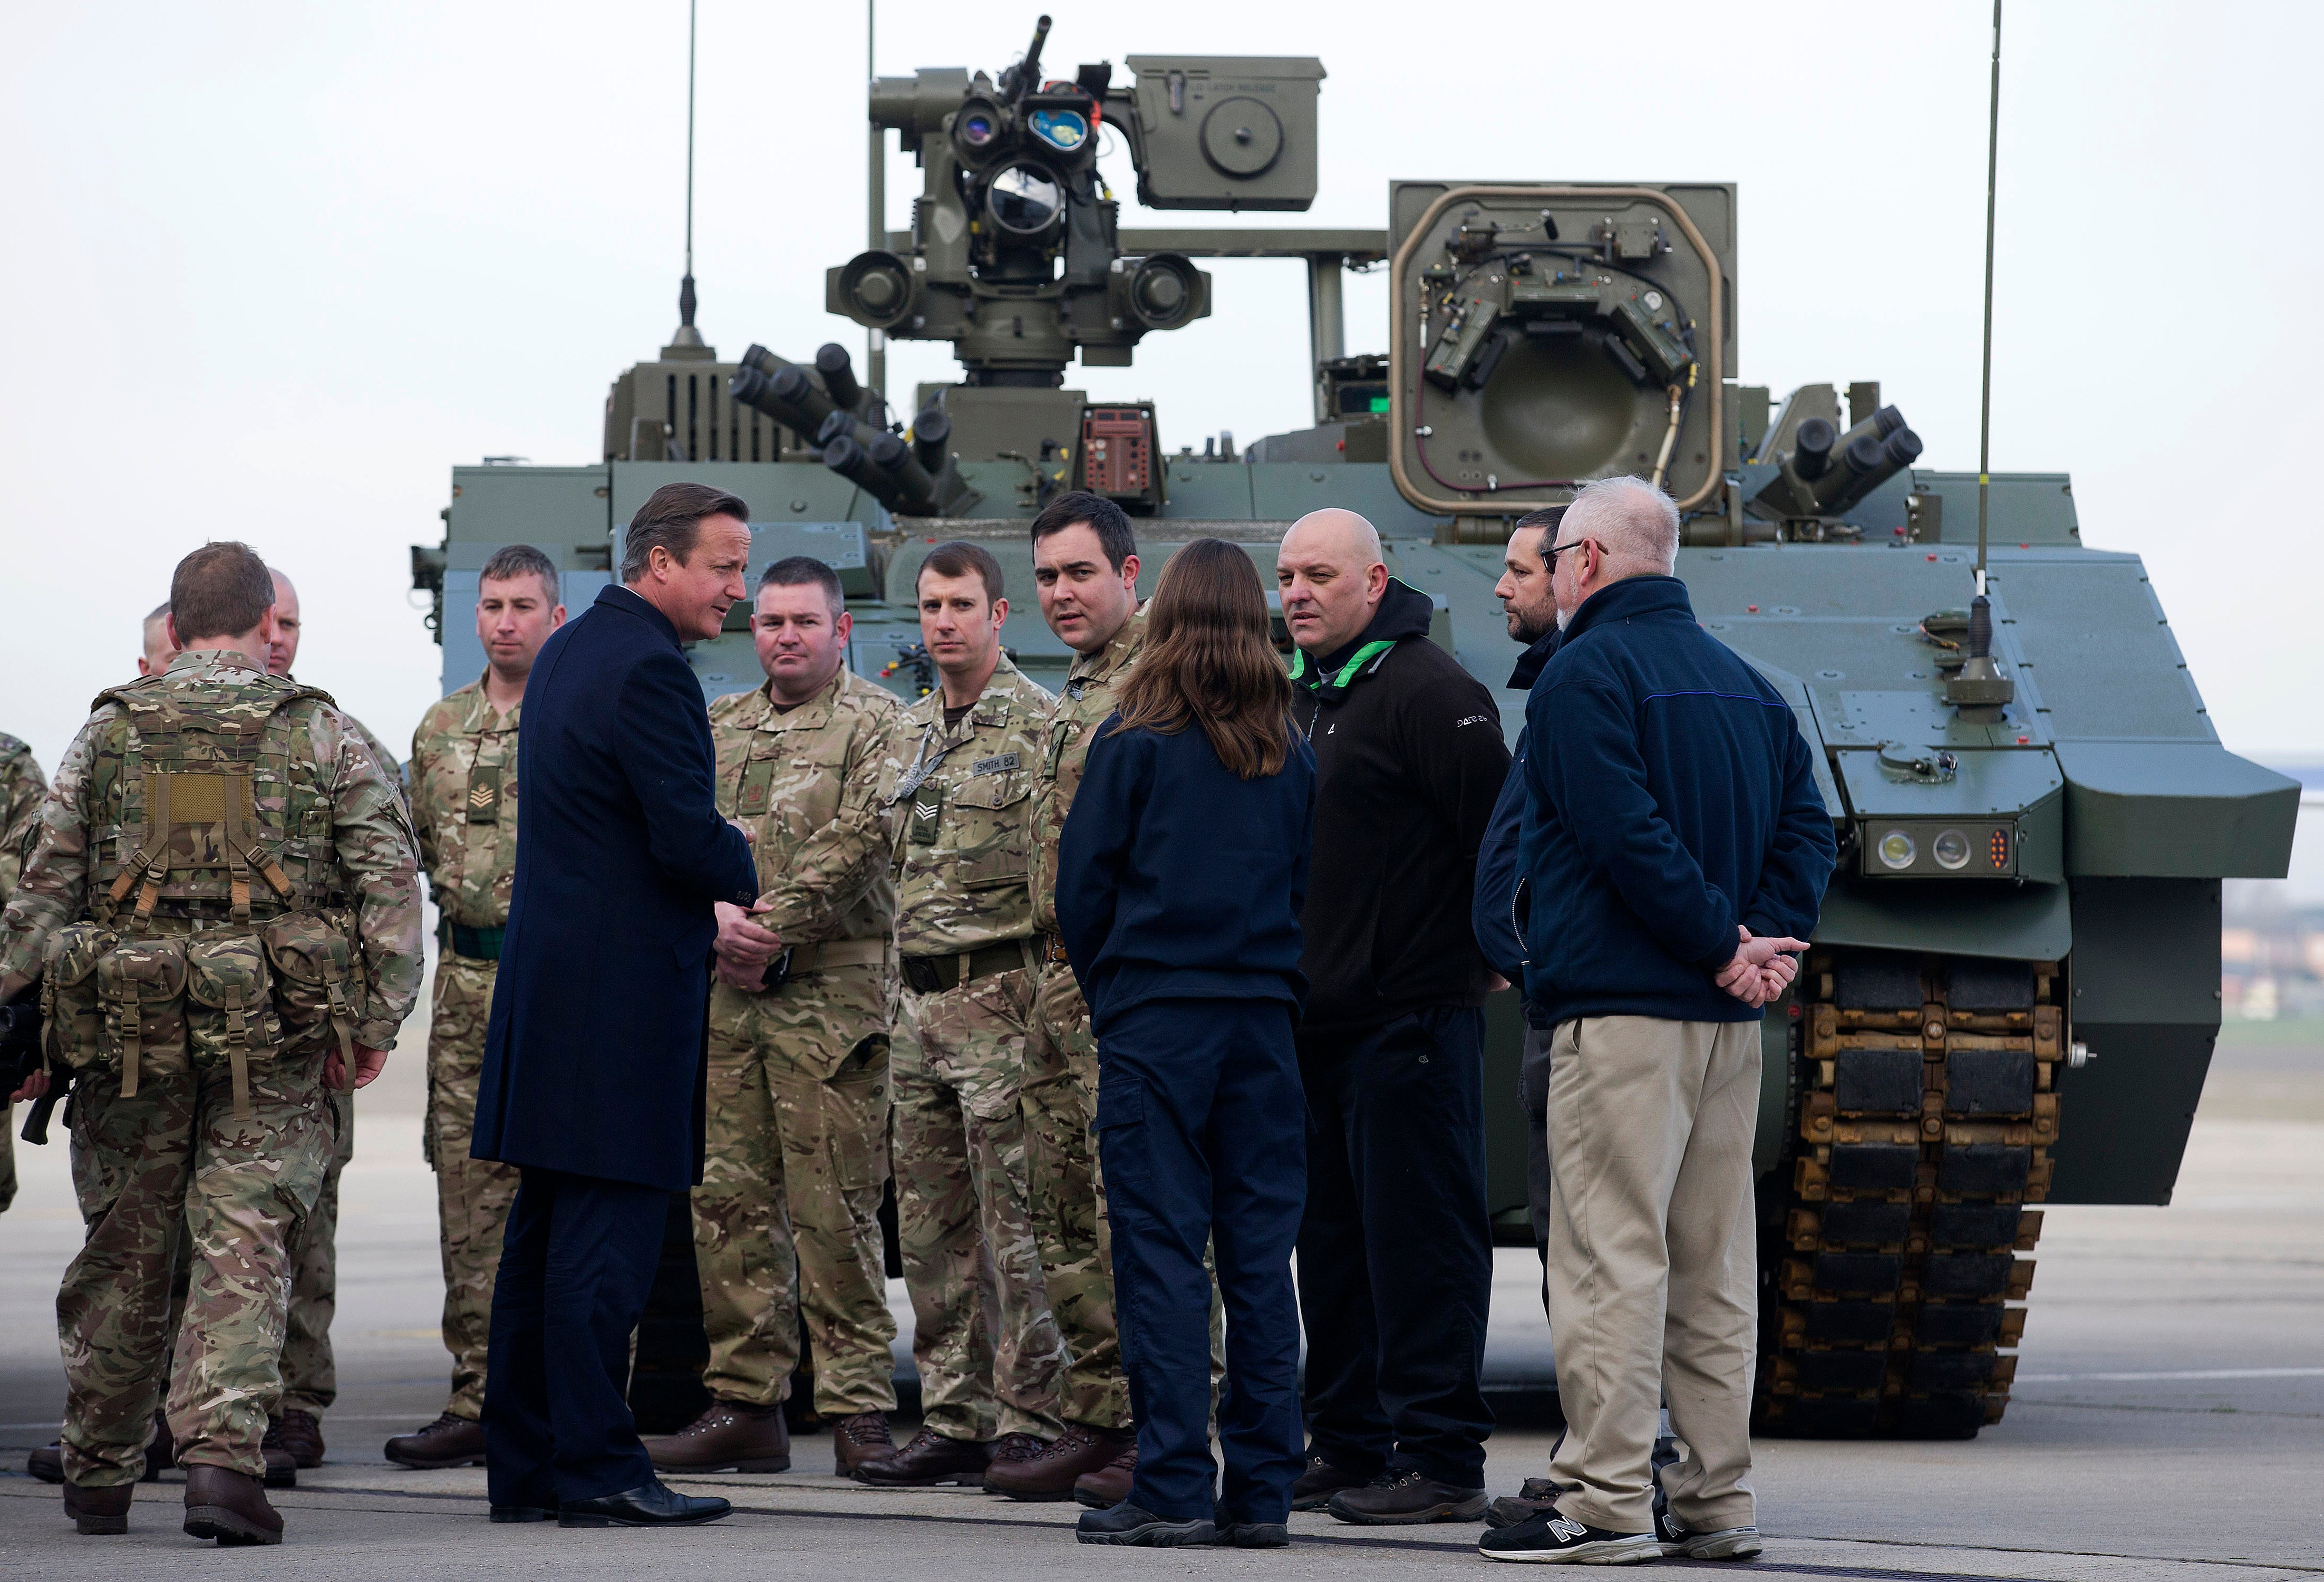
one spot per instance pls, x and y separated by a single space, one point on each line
1109 521
806 571
512 560
960 558
673 518
222 589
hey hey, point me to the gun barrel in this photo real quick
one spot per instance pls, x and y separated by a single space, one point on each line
1028 71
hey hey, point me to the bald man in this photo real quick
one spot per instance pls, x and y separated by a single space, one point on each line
1396 1259
158 650
309 1372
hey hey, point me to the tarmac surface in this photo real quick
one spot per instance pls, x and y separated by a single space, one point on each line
2168 1420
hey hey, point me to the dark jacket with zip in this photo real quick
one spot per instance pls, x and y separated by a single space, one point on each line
1409 763
1179 880
1670 797
1497 914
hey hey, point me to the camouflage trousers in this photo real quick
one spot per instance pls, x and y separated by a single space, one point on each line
1068 1202
787 1219
174 1158
311 1376
961 1214
472 1195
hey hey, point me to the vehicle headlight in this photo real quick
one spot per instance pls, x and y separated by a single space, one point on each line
1951 848
1897 849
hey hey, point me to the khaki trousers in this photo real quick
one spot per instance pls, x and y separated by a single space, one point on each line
1653 1264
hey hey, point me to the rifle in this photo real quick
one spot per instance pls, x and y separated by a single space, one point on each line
21 1056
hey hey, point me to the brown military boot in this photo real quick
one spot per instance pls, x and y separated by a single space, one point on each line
860 1440
299 1433
731 1434
98 1511
1109 1485
229 1507
1051 1475
1012 1448
48 1463
448 1441
929 1459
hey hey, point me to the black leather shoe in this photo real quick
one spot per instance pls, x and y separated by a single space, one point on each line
1321 1481
1398 1498
1128 1524
524 1513
650 1504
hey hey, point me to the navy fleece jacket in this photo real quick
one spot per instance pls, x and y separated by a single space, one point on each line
1671 797
1177 879
1497 914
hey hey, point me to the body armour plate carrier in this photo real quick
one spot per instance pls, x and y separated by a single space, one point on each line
217 935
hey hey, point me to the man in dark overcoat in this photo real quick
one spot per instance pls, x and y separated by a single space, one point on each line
593 1075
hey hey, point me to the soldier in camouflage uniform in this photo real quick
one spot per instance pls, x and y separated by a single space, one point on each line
224 903
786 1220
962 793
310 1377
464 804
1086 564
22 788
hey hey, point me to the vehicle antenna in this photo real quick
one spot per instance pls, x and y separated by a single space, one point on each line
875 342
1984 394
686 333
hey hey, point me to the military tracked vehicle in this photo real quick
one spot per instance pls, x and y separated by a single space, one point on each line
2013 990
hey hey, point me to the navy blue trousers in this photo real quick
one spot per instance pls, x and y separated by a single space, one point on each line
1396 1252
576 1267
1201 1139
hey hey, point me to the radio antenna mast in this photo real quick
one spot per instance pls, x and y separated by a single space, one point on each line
687 334
1984 394
875 342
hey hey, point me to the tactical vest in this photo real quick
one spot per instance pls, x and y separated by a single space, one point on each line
217 934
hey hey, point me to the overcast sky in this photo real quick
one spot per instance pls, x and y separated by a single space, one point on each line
275 268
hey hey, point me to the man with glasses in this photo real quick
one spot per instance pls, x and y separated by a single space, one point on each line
1676 851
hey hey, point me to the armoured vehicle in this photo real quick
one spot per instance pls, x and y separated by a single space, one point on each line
2014 991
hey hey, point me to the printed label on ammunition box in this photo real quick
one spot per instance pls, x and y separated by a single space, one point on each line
999 764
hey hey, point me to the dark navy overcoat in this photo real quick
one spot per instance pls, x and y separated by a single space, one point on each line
594 1060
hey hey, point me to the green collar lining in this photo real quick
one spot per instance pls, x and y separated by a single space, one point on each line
1361 657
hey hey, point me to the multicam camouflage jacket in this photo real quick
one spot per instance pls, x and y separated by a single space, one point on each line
23 788
464 805
962 807
327 822
388 766
1093 689
805 783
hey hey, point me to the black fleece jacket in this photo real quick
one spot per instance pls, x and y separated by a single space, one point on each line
1409 763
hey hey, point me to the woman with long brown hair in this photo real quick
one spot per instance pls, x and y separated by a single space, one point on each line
1181 871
